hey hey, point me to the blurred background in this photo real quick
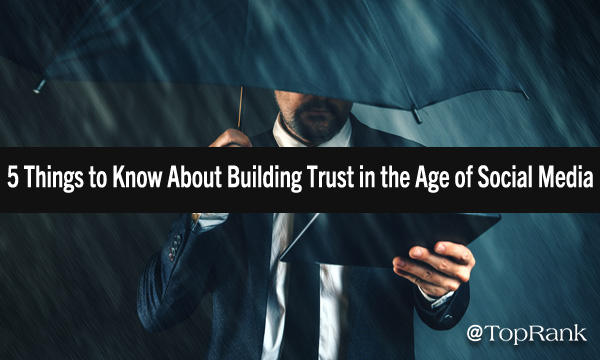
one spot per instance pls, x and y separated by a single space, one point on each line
68 282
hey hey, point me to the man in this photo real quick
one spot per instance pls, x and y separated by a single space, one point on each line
261 306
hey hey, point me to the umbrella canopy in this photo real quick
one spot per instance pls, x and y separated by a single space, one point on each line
399 54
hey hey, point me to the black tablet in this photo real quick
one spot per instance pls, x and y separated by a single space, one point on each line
374 239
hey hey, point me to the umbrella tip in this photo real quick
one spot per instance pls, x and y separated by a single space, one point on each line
525 94
416 116
38 89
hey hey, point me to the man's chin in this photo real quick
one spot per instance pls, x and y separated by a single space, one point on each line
318 117
319 134
318 127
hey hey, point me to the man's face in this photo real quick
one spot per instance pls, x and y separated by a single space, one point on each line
312 119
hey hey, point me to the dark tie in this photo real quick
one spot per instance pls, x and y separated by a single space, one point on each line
301 331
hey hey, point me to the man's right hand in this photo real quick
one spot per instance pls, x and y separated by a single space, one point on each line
232 138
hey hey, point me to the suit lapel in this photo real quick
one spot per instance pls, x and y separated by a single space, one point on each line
265 139
258 229
362 135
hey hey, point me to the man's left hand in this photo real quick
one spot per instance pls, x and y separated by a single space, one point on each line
436 273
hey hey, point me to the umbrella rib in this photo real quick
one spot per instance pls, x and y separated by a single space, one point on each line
81 35
72 36
387 47
501 66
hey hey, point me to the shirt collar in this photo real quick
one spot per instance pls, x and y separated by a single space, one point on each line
284 139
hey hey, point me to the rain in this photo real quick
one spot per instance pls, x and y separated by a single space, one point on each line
68 282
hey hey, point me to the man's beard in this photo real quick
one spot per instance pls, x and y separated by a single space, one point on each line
315 128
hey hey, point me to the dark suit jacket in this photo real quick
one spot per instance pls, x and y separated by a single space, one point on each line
232 263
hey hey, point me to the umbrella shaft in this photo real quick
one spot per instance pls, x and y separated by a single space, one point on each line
240 125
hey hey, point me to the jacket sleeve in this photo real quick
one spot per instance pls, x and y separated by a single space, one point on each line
177 277
447 315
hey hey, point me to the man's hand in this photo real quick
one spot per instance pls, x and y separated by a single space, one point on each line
232 138
437 273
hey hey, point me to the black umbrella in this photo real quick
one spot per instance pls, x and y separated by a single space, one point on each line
398 54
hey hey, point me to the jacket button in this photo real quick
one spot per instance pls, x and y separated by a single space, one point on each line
171 257
176 242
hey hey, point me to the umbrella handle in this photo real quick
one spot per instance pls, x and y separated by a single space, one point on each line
240 126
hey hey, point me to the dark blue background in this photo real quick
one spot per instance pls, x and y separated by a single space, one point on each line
68 281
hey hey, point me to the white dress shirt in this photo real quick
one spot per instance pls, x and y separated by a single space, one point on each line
333 297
